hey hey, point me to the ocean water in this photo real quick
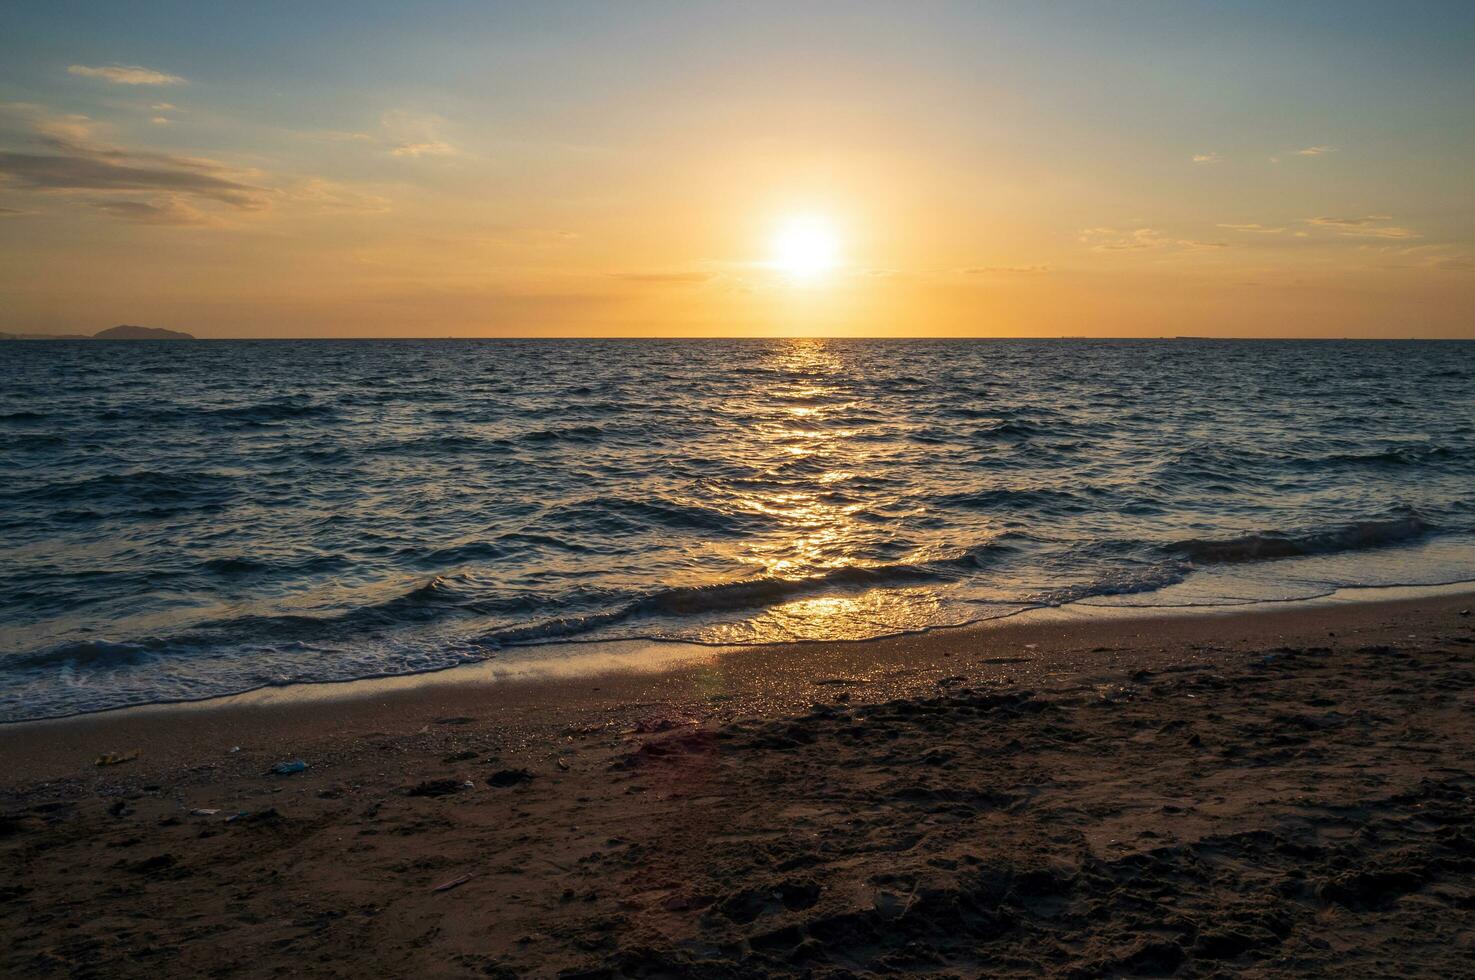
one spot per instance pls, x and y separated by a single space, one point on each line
179 521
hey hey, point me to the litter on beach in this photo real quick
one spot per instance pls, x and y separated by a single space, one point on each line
455 882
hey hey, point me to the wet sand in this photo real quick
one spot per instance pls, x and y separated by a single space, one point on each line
1275 792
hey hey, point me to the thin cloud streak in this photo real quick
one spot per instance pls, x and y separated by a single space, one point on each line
169 209
121 171
1367 226
662 278
126 75
1137 239
1007 270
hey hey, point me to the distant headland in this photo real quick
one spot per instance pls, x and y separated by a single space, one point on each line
130 332
126 331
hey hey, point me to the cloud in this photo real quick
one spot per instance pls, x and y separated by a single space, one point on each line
1007 270
431 148
1316 151
1254 228
168 209
663 278
165 107
327 195
160 121
339 136
1206 158
1111 240
7 212
401 134
126 75
67 157
120 170
1137 239
33 120
409 134
1367 226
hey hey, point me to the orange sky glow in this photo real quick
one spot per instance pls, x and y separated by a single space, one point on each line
982 169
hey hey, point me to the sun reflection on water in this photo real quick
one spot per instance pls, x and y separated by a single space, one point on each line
813 439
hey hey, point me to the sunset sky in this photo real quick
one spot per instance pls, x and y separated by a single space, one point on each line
913 169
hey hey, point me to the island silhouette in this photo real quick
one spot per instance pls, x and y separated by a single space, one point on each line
128 331
124 331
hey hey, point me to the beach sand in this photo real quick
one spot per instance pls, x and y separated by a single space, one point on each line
1276 792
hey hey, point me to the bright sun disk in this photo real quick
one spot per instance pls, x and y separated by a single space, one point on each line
805 248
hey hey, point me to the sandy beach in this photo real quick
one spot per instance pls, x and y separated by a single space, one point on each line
1273 792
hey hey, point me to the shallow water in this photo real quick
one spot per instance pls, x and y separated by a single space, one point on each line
184 520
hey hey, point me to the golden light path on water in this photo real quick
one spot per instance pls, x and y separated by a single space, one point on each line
810 448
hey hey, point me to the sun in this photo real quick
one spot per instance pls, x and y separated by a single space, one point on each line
805 248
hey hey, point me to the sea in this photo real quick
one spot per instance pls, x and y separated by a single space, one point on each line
183 520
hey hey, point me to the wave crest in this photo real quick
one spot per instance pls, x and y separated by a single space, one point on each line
1270 545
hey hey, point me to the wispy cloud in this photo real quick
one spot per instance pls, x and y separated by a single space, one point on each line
1254 229
1206 158
409 134
66 156
126 75
663 278
120 170
1367 226
432 148
164 209
1136 239
1007 270
327 195
1112 240
401 133
1315 151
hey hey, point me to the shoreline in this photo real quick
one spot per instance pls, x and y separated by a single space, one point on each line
1044 641
576 660
950 802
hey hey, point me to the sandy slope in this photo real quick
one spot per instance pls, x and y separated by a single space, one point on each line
1282 794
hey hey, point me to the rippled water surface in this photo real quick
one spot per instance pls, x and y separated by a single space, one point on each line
184 520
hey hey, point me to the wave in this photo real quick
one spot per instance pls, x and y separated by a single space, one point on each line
1392 456
92 654
1270 545
240 566
471 551
608 514
575 433
759 593
458 596
1123 582
145 486
1007 498
279 410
